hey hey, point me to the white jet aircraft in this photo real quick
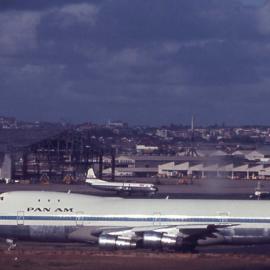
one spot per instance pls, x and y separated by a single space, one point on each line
119 187
118 223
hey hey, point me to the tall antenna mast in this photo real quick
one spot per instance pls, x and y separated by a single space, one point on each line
191 150
192 124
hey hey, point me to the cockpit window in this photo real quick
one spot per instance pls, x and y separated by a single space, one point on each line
1 198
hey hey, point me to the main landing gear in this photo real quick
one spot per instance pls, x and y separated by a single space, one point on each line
11 244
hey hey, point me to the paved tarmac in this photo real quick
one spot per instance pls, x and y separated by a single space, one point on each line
263 249
203 188
40 256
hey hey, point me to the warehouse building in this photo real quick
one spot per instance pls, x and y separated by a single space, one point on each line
244 171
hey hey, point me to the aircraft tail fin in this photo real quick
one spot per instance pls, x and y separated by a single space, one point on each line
91 174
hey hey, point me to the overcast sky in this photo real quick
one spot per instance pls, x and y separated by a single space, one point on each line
141 61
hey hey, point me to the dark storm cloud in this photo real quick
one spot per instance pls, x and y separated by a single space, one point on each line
6 5
141 61
139 21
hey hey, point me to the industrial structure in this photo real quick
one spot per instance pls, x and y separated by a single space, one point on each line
62 157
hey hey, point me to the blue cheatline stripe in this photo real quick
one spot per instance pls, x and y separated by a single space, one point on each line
138 219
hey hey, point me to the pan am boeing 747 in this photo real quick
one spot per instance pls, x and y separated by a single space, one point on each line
118 223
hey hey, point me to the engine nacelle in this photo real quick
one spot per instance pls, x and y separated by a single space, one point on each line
115 242
171 242
157 240
152 239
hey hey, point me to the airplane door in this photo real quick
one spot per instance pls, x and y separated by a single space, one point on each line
20 218
223 217
79 219
156 219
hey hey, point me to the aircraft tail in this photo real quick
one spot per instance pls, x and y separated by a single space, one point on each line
91 174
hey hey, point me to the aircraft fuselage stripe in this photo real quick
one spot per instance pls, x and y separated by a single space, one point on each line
137 219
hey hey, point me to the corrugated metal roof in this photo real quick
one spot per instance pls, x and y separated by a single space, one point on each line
226 168
164 158
213 167
182 166
242 168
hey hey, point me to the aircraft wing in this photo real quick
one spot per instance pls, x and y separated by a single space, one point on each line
189 229
190 235
204 234
158 236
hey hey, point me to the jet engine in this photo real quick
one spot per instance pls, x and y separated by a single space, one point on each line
153 240
157 240
115 242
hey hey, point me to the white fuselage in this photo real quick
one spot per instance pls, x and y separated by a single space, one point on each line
53 208
44 215
129 187
121 186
